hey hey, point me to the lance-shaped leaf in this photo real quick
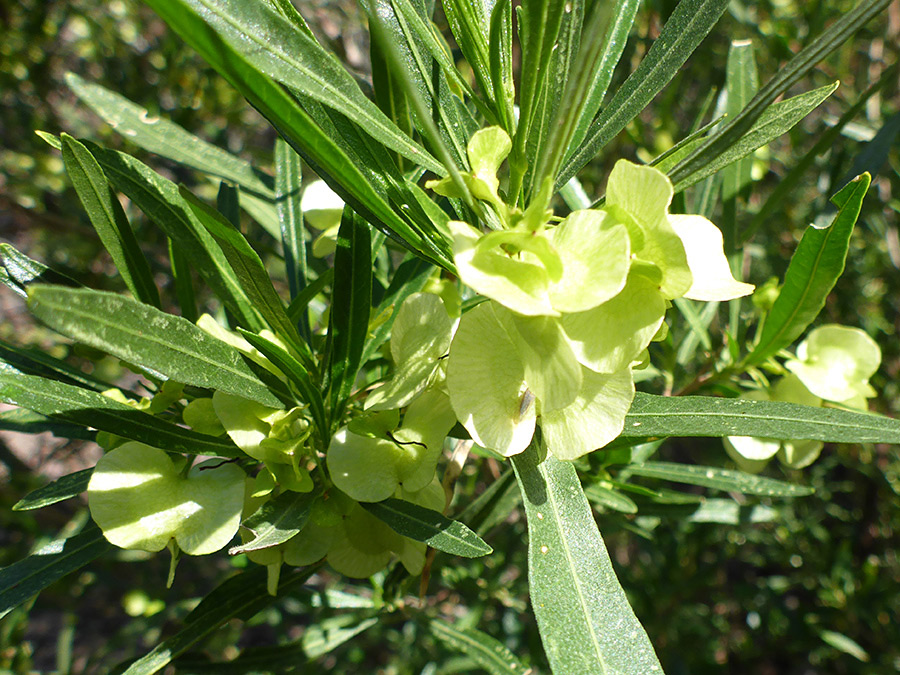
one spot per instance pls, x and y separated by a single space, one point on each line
158 198
426 525
271 43
250 271
242 596
708 416
815 267
29 422
91 409
304 133
350 305
20 271
484 650
685 29
108 218
28 577
720 479
290 216
59 490
277 520
727 135
143 335
585 621
776 120
167 139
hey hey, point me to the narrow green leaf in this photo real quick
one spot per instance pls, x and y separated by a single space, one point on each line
501 63
297 126
494 505
29 422
301 302
778 118
109 220
277 520
158 198
616 37
288 183
250 272
143 335
610 499
813 271
270 42
23 271
33 361
741 82
690 416
733 129
720 479
470 24
184 284
421 524
167 139
787 184
350 307
298 375
59 490
488 653
844 644
585 621
242 596
90 409
326 636
29 576
684 31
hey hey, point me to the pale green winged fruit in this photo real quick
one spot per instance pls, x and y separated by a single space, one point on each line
140 500
420 338
835 363
278 438
370 461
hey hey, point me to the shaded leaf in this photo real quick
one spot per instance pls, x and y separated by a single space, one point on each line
59 490
720 479
484 650
277 520
421 524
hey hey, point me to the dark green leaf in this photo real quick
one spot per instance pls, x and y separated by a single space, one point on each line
270 42
158 198
250 272
29 422
293 236
301 302
494 505
351 304
167 139
277 520
470 24
33 361
815 267
741 82
59 490
28 577
326 636
488 653
708 416
184 284
585 621
610 499
299 129
685 29
242 596
725 137
778 118
421 524
145 336
616 37
109 220
22 271
719 479
90 409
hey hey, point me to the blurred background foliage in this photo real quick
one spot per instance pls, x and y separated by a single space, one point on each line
815 589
